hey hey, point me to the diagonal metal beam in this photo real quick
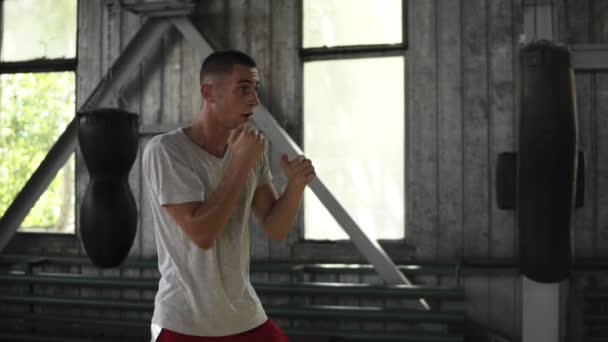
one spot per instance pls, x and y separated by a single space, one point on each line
139 47
282 143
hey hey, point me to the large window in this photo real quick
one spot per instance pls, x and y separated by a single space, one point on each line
37 101
354 113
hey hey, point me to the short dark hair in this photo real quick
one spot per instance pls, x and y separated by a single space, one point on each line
222 62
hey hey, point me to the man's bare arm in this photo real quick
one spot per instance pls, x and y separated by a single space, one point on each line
276 215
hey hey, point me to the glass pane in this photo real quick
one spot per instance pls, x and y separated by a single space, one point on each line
35 29
354 133
351 22
35 108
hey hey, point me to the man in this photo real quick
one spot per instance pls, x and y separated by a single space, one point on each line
203 181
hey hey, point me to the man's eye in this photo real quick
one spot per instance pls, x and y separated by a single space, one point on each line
245 90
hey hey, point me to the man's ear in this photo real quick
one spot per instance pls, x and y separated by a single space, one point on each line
207 92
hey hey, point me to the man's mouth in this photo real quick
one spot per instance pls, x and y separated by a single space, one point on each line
247 115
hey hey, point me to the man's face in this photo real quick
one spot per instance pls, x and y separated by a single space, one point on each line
235 96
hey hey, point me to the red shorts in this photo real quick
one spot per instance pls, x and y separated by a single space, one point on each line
267 332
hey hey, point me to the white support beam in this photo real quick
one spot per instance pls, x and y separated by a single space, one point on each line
282 143
541 314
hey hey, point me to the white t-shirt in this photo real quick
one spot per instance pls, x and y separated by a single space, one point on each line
201 292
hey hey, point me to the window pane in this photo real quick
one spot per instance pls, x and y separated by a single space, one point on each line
351 22
35 29
354 134
35 108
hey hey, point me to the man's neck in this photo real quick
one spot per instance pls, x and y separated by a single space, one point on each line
208 135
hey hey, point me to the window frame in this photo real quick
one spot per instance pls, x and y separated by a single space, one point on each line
343 52
43 65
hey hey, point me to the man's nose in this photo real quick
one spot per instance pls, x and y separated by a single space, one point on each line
255 101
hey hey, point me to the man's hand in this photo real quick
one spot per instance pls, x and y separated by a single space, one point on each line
276 215
247 145
299 171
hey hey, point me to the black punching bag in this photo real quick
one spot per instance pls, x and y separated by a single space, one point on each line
108 140
546 162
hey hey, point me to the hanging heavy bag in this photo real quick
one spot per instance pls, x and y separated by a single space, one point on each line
544 170
109 141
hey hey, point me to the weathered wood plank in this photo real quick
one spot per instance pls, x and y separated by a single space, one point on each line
88 71
190 98
421 126
130 100
111 38
601 188
476 148
577 20
281 63
584 225
518 29
135 186
600 22
559 21
503 311
578 31
171 77
285 92
212 20
270 44
238 24
502 119
475 130
600 36
258 38
151 90
449 102
148 235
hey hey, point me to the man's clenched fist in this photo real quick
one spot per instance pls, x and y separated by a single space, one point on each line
247 144
299 171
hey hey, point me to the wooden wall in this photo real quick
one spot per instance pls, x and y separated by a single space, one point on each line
586 22
462 76
463 111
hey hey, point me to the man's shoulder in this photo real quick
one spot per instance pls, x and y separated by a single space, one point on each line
165 140
162 146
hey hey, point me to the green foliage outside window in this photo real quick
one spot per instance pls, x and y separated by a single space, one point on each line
35 108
